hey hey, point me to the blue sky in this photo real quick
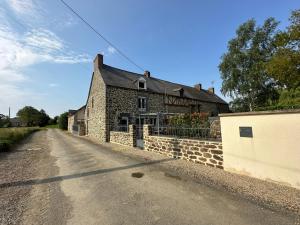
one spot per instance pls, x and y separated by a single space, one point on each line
46 52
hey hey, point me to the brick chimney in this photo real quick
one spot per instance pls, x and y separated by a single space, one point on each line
198 86
147 73
211 90
98 62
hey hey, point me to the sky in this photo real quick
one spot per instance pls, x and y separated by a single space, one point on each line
46 52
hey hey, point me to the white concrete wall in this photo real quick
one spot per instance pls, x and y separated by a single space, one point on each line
274 151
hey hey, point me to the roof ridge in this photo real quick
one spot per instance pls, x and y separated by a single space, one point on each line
155 78
165 83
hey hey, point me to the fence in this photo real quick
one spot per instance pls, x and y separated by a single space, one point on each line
184 132
119 128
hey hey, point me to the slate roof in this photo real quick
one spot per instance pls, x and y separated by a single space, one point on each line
120 78
71 112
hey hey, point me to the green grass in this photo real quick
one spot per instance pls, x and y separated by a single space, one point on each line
52 126
10 136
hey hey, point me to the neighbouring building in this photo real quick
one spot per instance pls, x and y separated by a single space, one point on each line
15 122
76 121
118 98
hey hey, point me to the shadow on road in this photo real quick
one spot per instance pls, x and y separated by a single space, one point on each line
78 175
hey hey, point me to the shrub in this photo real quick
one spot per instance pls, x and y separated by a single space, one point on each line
190 120
63 121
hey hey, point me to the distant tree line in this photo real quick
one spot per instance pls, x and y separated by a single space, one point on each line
31 117
261 69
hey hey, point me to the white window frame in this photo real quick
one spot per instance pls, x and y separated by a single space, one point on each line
140 98
142 80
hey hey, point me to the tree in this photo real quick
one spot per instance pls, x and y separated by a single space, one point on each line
63 121
29 116
284 65
243 70
290 98
44 118
4 121
55 119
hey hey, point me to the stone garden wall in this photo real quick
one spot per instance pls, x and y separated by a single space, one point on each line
204 152
124 138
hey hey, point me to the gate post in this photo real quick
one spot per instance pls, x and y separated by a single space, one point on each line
132 132
146 131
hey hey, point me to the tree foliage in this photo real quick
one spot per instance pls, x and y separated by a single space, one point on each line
29 116
63 121
43 118
53 121
245 78
262 65
284 66
4 121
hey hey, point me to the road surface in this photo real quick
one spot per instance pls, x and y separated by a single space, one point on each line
70 180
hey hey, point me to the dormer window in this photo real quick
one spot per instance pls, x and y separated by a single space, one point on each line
181 91
142 84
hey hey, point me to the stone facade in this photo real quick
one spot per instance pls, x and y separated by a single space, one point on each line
124 138
76 121
96 113
107 105
125 101
71 120
204 152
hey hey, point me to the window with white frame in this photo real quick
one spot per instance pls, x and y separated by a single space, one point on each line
142 103
142 84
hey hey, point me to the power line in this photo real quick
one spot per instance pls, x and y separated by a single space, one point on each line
101 36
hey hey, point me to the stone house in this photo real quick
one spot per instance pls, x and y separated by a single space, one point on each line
76 121
118 98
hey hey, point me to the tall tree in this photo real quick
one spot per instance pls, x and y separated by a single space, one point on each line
29 116
284 66
242 68
44 118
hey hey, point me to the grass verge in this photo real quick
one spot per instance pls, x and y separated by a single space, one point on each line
10 136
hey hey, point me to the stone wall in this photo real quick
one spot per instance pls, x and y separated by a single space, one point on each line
81 128
71 120
95 113
204 152
124 138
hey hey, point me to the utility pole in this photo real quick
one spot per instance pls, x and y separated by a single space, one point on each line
9 112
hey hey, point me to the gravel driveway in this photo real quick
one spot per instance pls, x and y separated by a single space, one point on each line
55 178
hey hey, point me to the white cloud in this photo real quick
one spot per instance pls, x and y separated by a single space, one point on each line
43 39
18 51
111 50
22 6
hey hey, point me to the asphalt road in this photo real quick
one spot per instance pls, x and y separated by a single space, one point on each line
90 184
